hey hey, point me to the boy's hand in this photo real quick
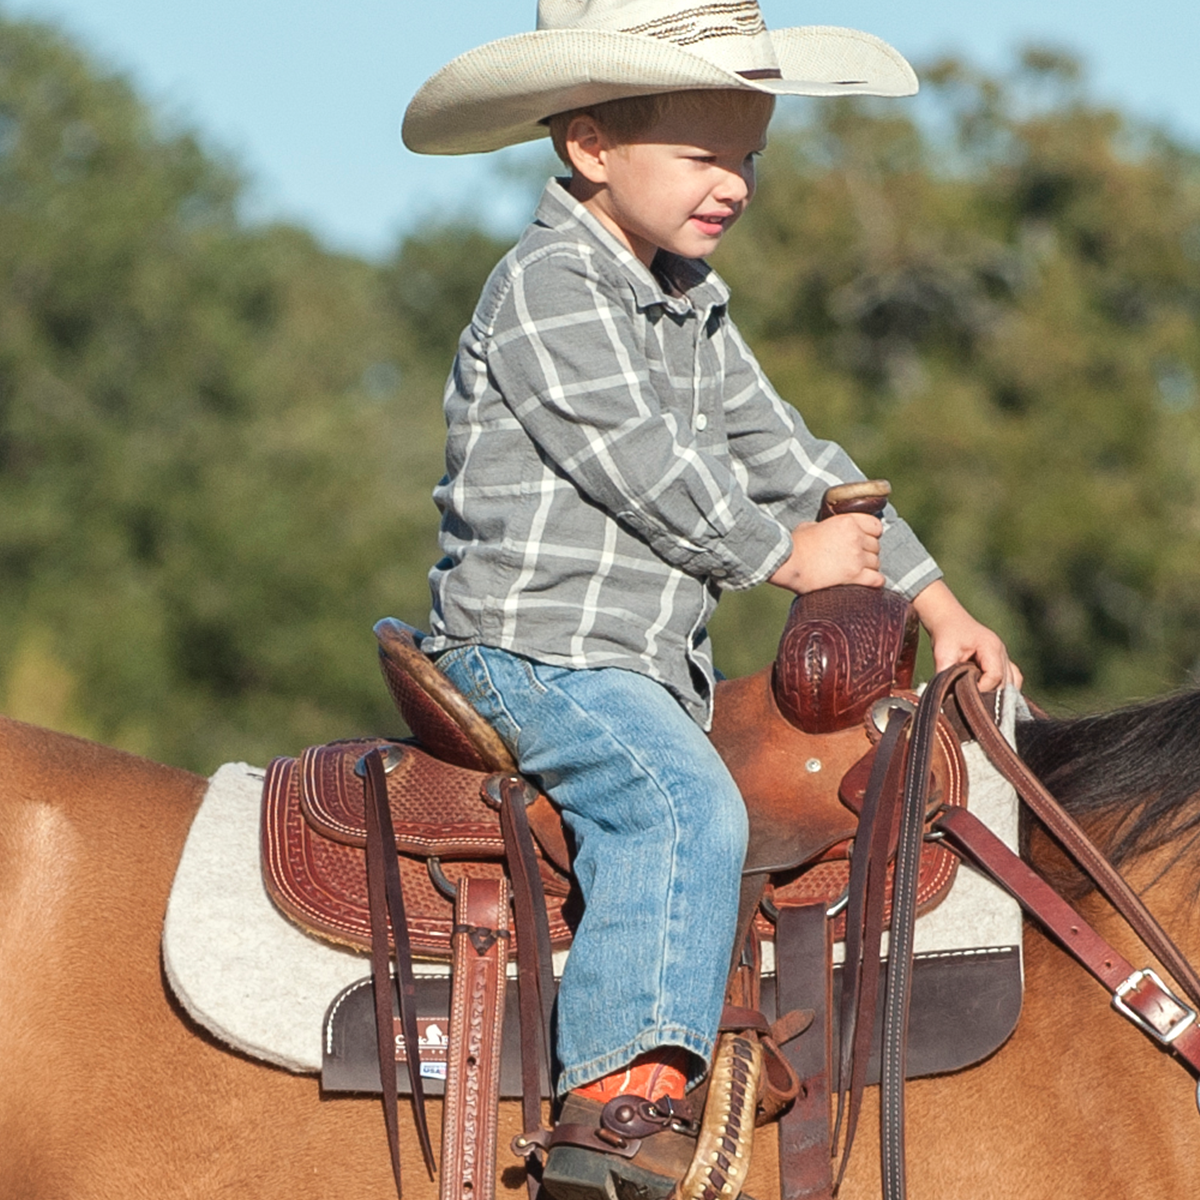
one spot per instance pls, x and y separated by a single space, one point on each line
843 549
958 638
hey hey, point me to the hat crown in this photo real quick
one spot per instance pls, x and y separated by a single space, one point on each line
730 34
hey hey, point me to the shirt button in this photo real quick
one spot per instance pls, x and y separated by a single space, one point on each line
701 422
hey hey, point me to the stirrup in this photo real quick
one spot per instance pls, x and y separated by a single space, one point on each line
633 1149
722 1159
627 1149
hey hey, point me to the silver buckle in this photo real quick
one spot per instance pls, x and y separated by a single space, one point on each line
393 756
1129 985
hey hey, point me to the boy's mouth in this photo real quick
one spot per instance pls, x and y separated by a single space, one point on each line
712 224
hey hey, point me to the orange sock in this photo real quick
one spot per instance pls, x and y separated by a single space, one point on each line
661 1072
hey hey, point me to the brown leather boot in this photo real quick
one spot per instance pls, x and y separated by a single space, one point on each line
627 1149
636 1149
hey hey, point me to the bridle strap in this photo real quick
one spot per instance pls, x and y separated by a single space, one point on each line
1073 839
901 938
1140 996
865 911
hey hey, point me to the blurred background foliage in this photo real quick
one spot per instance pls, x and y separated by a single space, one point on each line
218 439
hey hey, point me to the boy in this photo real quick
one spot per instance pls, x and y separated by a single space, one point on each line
616 459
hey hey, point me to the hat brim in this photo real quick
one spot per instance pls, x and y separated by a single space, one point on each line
498 94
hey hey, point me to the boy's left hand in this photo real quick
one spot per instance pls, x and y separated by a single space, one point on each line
958 637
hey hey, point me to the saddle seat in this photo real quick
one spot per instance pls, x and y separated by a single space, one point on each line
797 736
444 723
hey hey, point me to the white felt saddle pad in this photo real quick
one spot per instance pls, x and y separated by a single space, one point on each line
255 981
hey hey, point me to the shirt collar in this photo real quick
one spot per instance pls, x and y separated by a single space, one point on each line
699 287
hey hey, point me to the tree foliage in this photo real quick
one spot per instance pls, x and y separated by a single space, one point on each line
218 440
997 309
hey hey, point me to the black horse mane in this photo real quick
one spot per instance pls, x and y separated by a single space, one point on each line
1132 775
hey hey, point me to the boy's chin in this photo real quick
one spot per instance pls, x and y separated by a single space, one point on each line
695 246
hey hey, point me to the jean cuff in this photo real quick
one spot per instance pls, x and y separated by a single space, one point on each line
698 1045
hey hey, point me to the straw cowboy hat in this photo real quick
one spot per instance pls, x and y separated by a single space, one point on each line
587 51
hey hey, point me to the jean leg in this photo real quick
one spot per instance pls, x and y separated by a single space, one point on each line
660 837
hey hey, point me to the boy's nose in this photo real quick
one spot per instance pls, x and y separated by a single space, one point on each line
736 186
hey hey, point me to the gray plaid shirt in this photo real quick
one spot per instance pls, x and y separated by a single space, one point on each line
615 460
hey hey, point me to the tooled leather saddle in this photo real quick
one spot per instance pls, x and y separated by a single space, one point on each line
798 736
817 741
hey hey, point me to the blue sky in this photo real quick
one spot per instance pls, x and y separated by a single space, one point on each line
308 94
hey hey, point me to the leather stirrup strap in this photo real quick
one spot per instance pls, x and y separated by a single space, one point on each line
862 971
1140 996
902 932
803 957
471 1111
385 899
1073 839
535 975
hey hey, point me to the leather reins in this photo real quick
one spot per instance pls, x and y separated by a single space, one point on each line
1140 995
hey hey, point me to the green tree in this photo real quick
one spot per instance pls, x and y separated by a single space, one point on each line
214 465
218 440
995 306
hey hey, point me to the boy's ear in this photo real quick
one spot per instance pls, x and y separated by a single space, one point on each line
587 147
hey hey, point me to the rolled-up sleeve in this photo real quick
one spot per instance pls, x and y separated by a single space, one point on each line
567 359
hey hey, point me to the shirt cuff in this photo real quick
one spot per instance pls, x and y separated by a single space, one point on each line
749 554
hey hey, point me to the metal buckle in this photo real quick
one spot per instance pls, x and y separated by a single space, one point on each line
393 756
1129 985
881 710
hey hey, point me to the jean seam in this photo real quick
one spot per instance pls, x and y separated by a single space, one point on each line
530 669
495 697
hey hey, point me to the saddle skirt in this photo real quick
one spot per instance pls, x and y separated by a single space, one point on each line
802 781
314 835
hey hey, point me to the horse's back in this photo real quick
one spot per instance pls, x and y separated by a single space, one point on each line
108 1090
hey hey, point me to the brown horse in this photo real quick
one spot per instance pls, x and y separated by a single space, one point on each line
109 1091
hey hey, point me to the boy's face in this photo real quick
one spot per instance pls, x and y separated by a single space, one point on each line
678 187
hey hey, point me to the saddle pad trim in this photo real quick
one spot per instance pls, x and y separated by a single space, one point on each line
965 1006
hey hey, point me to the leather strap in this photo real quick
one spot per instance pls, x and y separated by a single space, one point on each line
535 977
471 1111
387 900
862 971
1123 898
1140 996
804 954
902 932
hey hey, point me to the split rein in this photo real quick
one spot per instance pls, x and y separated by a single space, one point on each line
1139 995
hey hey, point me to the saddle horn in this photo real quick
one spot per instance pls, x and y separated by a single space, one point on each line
844 647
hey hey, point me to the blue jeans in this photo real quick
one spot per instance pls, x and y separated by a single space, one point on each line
660 837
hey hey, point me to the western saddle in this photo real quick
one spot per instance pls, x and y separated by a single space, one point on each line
472 835
439 837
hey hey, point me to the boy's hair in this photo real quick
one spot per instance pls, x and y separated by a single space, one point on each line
625 120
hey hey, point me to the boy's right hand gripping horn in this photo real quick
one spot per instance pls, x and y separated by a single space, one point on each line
868 496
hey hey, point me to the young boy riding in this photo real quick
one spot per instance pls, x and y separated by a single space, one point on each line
616 459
